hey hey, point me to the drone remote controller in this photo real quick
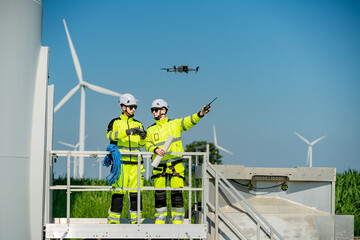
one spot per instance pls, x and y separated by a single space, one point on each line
209 105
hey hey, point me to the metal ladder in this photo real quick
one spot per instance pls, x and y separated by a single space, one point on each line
262 225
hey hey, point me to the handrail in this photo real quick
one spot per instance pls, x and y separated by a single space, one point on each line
251 211
93 154
207 168
229 222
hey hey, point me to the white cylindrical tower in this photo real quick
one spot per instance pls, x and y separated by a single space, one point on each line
21 104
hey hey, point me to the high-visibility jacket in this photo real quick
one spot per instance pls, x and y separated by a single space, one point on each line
117 135
129 176
159 132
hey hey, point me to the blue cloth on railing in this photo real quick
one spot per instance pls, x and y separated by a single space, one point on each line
115 160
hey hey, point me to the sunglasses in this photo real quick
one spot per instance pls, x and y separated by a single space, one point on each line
155 109
132 107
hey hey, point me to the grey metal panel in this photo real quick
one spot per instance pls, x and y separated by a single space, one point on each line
48 163
38 143
304 211
344 227
294 174
315 195
325 227
13 199
105 231
20 27
290 226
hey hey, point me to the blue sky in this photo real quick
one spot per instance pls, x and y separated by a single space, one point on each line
276 67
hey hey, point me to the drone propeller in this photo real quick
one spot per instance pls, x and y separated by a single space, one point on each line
197 69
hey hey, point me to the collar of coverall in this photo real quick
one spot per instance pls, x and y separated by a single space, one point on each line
162 121
124 117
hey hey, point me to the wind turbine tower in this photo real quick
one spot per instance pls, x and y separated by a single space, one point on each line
76 162
98 162
76 159
311 144
82 85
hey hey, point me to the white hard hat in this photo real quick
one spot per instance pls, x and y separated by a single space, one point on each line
127 99
160 103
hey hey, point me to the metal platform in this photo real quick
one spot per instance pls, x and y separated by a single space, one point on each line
97 228
237 203
299 203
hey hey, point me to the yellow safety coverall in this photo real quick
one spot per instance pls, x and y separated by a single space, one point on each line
171 165
128 178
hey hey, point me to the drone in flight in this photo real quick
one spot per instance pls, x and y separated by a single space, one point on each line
182 68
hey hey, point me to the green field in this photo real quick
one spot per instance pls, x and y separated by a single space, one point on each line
96 204
347 196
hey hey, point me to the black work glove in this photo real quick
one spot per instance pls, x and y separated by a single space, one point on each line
142 134
133 131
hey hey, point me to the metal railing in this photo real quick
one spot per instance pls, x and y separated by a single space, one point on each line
54 154
208 171
262 225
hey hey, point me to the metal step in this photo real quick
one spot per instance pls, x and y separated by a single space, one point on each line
97 228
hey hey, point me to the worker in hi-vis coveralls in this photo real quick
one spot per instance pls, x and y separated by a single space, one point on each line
129 136
171 165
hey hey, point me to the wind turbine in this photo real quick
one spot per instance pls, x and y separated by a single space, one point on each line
98 161
311 144
75 166
216 145
76 159
82 85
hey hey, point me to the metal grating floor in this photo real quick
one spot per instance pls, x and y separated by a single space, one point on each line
98 229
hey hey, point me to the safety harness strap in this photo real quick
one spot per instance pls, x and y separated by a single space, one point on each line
162 167
132 163
173 163
175 174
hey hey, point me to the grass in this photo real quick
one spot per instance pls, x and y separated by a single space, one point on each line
93 204
96 204
347 196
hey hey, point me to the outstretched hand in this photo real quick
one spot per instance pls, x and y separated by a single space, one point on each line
204 110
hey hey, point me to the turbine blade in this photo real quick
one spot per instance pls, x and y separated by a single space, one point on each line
225 150
319 139
215 139
67 97
216 145
74 55
302 138
102 90
66 144
77 145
